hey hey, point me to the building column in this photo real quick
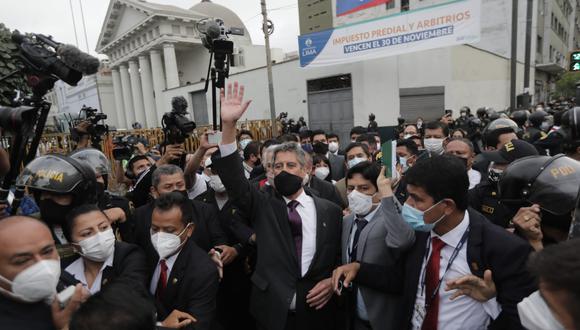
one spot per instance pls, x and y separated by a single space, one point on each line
148 98
137 93
158 82
127 97
171 73
118 91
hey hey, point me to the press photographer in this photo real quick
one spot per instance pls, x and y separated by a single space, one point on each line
89 128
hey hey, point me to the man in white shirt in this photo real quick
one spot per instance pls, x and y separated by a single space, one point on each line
297 235
462 272
463 149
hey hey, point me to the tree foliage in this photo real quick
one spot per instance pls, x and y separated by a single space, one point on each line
566 85
9 61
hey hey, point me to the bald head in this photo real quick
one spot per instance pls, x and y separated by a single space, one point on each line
23 242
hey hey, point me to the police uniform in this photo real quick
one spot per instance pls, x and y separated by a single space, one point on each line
123 230
534 134
484 198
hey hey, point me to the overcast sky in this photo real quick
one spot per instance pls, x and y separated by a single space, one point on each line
54 17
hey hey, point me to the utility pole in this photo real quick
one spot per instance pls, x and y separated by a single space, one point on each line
269 68
514 55
529 13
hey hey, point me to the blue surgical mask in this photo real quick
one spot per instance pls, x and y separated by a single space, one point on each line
404 165
355 161
415 218
244 143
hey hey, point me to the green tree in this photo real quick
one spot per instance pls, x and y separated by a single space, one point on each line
566 85
9 61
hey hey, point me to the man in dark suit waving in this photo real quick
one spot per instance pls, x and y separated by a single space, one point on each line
463 272
298 235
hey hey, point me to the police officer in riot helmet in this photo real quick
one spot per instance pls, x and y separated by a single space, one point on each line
543 190
118 209
59 184
464 116
570 130
484 198
520 117
495 136
537 122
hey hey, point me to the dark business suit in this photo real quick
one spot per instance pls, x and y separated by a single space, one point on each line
128 264
234 292
206 235
326 190
192 285
277 276
336 166
488 247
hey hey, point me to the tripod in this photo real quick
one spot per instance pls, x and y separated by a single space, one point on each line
221 51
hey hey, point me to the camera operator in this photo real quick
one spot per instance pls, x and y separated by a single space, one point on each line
59 184
117 208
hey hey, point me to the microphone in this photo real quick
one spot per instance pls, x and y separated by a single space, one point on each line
77 59
213 30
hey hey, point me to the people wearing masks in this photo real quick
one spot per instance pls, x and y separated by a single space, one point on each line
334 144
183 279
408 155
59 184
291 288
355 153
320 187
100 259
484 198
251 154
30 277
374 220
357 131
454 276
463 149
436 133
321 147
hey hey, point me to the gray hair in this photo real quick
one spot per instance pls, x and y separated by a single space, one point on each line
293 147
268 152
162 170
464 140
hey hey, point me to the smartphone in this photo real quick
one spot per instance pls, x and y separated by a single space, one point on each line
214 138
448 112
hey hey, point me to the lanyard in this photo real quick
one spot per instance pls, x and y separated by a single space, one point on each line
451 259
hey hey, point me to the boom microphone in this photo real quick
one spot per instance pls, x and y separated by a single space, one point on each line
77 59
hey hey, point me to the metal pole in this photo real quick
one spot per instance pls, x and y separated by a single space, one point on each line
269 68
514 55
529 13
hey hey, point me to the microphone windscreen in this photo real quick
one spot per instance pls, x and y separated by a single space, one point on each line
78 60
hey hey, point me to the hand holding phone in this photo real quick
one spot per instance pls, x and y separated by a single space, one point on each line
214 137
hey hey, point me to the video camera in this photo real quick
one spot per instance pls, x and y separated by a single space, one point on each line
124 146
176 126
93 116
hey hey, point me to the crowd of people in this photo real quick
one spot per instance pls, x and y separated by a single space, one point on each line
305 231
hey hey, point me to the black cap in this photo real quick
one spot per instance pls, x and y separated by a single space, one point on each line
511 151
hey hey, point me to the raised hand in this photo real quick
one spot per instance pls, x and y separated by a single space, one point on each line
233 106
384 184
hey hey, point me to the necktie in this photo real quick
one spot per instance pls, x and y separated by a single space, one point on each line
296 228
360 225
162 283
432 279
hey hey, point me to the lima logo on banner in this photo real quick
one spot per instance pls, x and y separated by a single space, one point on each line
345 7
311 45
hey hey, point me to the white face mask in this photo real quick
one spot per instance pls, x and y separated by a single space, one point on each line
216 184
98 247
434 145
244 143
353 162
536 315
35 283
166 244
333 147
407 136
322 172
359 203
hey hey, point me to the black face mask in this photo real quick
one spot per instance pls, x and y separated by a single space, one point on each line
53 213
183 192
320 148
287 184
463 161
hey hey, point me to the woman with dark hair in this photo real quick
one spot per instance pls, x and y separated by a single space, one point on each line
459 133
321 166
101 259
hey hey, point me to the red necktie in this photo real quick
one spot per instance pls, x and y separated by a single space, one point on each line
432 279
162 284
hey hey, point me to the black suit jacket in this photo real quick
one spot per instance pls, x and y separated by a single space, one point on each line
488 247
277 276
206 235
327 191
128 264
192 285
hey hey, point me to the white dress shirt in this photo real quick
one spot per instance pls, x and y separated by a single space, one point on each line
474 178
360 305
199 187
169 262
77 269
463 312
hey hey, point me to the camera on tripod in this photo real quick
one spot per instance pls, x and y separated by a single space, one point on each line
176 126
